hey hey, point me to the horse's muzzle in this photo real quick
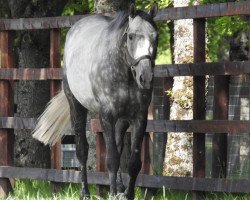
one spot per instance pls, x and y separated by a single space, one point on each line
144 74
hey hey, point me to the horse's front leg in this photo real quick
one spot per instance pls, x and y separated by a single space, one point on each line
139 127
112 154
120 130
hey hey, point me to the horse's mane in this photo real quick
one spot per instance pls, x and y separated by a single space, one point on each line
121 20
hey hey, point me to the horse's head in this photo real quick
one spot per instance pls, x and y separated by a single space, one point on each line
141 45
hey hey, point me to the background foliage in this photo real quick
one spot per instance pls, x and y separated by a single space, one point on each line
220 31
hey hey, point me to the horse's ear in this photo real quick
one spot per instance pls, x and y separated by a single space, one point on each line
153 11
132 10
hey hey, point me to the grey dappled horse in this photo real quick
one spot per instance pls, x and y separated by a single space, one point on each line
108 69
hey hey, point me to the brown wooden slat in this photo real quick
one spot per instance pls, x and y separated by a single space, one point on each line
55 88
199 103
179 183
39 23
6 109
199 126
17 123
197 69
20 123
201 11
203 126
31 74
220 112
201 69
100 161
204 11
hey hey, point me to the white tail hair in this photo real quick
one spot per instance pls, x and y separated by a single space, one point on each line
54 120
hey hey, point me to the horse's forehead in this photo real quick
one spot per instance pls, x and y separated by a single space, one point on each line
139 24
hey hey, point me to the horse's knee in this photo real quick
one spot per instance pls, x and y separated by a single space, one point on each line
82 154
113 162
135 164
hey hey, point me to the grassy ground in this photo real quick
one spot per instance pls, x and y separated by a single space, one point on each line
41 190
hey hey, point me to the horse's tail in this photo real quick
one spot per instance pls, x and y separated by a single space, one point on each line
54 120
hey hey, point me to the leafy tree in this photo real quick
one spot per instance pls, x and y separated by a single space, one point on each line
220 31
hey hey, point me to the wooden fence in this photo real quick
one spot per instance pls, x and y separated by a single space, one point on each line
199 126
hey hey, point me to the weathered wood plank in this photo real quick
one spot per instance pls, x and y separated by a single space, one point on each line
31 74
220 112
201 69
6 108
199 103
39 23
55 88
199 126
179 183
17 123
201 11
202 126
196 69
204 11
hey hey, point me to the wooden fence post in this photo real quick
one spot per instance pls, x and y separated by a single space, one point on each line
199 103
145 155
55 87
161 110
100 161
6 110
220 112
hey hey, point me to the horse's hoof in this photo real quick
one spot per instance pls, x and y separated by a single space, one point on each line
120 188
128 195
85 198
84 195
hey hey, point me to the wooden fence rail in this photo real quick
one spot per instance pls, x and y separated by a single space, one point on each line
157 126
192 12
171 70
149 181
199 126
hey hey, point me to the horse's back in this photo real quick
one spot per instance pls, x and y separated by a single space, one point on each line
81 55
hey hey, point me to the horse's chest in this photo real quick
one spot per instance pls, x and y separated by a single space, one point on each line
136 103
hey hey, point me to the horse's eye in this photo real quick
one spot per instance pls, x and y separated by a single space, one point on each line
131 36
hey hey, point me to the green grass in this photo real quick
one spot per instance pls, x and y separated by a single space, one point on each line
41 190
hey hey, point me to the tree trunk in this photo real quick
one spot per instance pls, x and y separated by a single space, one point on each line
105 6
178 157
32 50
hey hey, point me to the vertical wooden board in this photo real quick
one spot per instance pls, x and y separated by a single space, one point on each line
55 87
145 155
160 112
100 161
55 58
6 110
220 112
199 103
100 153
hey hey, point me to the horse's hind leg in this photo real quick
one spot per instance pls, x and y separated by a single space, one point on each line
78 115
82 147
